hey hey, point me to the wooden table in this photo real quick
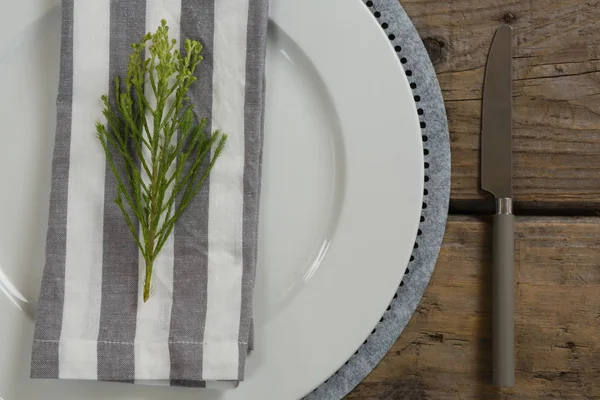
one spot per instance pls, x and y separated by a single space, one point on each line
444 353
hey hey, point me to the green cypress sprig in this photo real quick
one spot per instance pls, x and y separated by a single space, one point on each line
166 153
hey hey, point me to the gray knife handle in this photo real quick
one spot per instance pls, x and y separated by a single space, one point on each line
503 341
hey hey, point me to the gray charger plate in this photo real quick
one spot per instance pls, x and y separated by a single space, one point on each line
436 148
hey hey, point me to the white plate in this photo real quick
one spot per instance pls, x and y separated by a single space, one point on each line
342 191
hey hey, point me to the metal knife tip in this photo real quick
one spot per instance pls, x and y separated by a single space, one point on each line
505 29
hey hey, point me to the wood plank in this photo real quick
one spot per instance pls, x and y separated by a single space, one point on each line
556 93
444 353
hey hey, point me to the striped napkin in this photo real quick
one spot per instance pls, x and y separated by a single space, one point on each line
196 328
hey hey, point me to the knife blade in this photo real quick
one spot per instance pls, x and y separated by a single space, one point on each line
496 178
496 139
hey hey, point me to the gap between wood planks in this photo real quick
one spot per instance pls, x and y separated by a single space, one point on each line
527 208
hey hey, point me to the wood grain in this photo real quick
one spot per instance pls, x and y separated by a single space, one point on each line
556 95
444 353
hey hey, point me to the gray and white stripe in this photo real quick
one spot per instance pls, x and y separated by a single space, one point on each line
85 212
196 327
120 257
191 234
44 363
151 350
253 142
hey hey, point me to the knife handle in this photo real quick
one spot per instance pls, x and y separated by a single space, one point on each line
503 339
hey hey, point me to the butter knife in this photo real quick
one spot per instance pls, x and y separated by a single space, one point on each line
496 178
